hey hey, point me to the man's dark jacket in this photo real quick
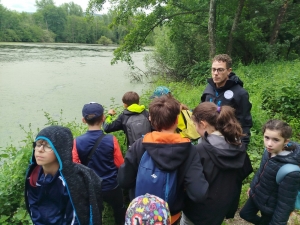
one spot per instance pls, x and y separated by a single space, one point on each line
83 185
232 94
272 198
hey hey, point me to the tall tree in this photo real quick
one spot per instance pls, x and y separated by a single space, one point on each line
278 22
235 25
41 4
212 28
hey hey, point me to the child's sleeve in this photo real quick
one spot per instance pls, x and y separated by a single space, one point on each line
118 157
75 155
287 193
110 126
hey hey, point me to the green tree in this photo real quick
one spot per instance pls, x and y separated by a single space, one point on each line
104 41
72 9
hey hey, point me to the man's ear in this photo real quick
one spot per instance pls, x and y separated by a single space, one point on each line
83 120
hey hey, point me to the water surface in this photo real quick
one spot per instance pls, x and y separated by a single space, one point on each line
52 77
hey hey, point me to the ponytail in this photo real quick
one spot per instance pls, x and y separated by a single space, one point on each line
222 118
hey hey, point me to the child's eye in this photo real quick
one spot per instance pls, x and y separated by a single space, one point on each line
266 137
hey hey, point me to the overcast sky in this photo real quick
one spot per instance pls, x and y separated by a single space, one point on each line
28 5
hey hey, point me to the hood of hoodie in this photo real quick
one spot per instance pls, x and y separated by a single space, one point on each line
133 109
293 157
224 155
232 81
61 141
167 150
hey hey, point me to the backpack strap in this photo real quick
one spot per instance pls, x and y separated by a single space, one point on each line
94 148
284 170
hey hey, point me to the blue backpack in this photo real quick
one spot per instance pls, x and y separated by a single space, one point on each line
154 181
284 170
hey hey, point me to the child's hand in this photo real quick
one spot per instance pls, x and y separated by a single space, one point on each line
111 112
248 192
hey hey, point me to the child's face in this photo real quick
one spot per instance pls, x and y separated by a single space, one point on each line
273 141
44 154
200 128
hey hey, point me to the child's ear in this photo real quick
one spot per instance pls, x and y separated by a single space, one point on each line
286 141
176 121
83 120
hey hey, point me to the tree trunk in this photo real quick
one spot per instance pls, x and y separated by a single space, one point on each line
234 25
278 22
212 28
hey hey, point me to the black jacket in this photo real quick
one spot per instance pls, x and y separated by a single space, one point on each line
232 94
271 198
169 152
120 122
224 168
83 185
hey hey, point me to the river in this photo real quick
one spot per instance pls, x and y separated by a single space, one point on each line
38 78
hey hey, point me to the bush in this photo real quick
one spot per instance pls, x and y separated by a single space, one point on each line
104 41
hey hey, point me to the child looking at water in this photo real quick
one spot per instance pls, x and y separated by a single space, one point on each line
225 164
132 110
169 152
58 191
101 153
274 201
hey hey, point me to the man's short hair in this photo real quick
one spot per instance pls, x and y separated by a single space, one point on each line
163 112
223 58
130 98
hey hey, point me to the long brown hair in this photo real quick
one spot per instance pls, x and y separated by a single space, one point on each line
222 119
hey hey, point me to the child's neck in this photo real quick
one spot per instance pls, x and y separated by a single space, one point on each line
95 127
51 169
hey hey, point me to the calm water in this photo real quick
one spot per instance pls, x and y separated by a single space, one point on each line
54 77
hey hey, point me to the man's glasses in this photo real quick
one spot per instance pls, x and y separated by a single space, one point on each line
46 147
219 70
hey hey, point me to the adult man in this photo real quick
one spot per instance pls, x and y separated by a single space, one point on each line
225 88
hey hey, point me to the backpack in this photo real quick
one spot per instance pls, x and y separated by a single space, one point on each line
284 170
152 180
137 125
186 126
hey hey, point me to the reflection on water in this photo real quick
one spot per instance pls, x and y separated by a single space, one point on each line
54 77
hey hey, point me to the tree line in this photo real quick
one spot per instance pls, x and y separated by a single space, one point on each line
188 33
64 23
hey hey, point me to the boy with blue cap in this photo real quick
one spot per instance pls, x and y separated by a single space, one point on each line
101 152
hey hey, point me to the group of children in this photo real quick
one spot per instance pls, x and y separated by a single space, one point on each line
170 180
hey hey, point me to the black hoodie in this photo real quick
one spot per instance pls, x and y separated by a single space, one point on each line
169 152
224 168
232 94
83 185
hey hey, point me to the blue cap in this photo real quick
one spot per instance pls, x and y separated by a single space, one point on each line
160 91
92 110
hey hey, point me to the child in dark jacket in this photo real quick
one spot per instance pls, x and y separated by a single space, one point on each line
131 104
225 164
169 152
58 191
104 160
274 201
